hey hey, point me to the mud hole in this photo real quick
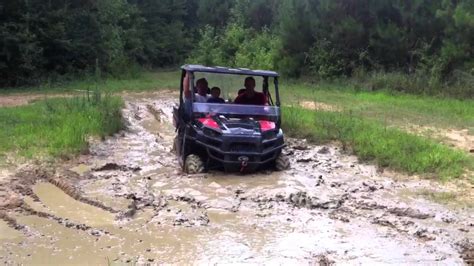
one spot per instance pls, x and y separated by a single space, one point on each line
128 202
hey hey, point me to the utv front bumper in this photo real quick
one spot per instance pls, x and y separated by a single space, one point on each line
240 153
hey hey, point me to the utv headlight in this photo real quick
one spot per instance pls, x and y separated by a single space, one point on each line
269 134
211 133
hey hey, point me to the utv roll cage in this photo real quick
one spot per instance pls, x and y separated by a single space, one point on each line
265 74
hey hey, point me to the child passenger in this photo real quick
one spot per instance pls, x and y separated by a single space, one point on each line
215 93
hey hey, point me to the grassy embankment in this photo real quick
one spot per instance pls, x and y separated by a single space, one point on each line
392 109
372 141
370 123
58 127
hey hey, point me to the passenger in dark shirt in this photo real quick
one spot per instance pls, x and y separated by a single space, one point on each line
250 96
215 93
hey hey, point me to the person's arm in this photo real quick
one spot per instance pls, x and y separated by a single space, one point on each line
187 91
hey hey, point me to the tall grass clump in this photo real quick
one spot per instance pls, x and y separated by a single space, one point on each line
371 141
60 126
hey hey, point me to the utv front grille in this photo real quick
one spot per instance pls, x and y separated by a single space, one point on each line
243 147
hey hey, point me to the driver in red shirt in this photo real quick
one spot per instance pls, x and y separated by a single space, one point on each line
250 96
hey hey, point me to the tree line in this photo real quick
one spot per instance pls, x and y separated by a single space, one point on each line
429 40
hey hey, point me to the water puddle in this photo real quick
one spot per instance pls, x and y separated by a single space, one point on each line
62 205
8 233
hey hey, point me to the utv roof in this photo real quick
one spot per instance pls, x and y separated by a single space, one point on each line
228 70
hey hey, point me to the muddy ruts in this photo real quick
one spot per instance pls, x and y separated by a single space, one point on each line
188 199
11 221
75 194
156 113
467 251
468 256
65 222
301 199
24 179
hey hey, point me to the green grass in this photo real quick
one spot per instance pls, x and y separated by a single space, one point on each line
395 109
58 127
143 82
373 142
388 107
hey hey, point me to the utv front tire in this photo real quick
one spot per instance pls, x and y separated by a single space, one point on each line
193 164
282 162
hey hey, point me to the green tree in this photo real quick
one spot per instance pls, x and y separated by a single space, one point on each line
164 36
214 12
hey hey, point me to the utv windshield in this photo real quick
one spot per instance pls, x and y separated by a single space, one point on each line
232 96
236 110
226 88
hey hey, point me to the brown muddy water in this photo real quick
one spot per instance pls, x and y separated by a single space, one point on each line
128 202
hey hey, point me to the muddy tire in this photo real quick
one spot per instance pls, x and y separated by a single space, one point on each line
282 162
193 164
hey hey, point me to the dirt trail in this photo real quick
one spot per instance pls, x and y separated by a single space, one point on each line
128 202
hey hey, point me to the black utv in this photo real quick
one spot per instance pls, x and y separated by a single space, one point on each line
232 135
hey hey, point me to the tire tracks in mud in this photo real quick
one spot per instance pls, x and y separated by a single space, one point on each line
24 181
340 199
11 221
359 200
77 195
64 221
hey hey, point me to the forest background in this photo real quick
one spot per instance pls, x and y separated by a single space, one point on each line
414 46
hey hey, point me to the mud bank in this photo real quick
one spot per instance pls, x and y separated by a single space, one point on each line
128 202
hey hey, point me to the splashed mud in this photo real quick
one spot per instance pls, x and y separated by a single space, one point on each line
128 202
